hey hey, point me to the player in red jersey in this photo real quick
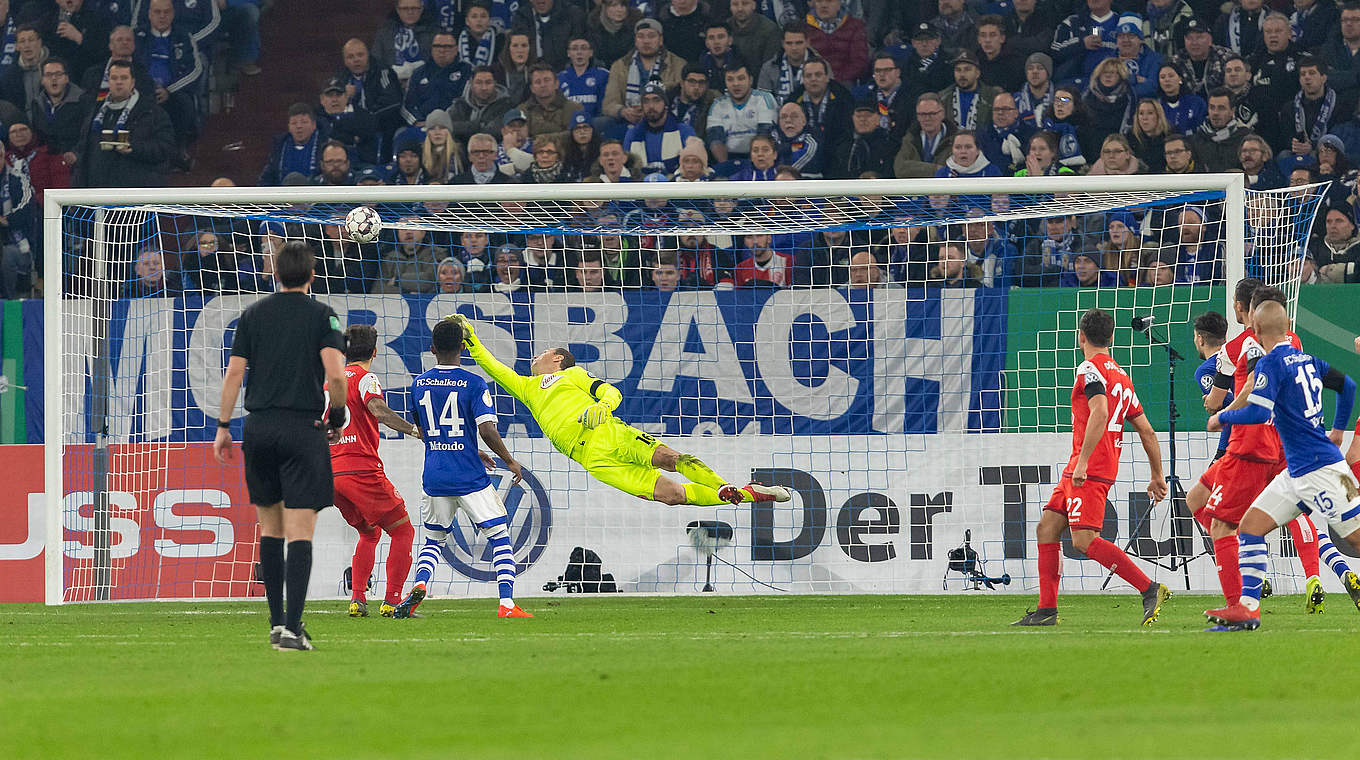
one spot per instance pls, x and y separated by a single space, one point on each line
1227 489
363 494
1103 399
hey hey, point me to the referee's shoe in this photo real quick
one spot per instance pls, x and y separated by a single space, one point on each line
300 641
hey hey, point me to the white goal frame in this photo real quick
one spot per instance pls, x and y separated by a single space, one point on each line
55 201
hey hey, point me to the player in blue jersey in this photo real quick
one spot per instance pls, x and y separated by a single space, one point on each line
1287 386
1211 332
452 406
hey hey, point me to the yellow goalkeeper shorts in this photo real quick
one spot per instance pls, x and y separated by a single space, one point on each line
620 455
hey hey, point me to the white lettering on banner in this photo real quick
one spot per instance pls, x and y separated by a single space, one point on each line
32 545
224 534
498 340
389 315
141 364
717 361
206 359
124 534
607 313
947 361
774 333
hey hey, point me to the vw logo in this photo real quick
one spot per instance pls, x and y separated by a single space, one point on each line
530 520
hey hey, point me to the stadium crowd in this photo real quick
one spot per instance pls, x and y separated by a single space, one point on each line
539 91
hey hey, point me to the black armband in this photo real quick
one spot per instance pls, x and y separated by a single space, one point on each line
1094 389
224 424
1223 381
1335 379
1251 363
595 386
336 417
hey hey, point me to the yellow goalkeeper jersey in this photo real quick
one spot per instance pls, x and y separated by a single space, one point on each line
556 400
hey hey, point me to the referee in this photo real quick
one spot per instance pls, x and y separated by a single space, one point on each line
292 344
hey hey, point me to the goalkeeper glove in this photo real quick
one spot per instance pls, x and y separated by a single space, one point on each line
594 415
469 337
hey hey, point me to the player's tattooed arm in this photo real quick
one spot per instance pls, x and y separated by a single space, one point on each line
384 414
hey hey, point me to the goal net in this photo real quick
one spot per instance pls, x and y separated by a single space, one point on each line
898 353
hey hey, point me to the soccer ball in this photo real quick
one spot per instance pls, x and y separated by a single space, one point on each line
363 224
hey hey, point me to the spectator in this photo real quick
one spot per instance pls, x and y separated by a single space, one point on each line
17 235
692 98
451 277
404 39
479 44
1108 102
966 158
1218 139
219 269
1248 99
783 73
1180 156
665 274
1184 110
683 22
21 81
988 249
1198 258
296 151
865 273
482 107
80 36
693 165
583 149
545 267
509 269
839 37
1342 51
1148 134
612 165
477 257
968 102
799 146
241 25
338 120
335 166
1334 167
826 104
374 90
1316 21
1048 256
1122 249
345 266
56 113
171 57
1076 136
1142 62
122 45
700 264
1087 273
1076 50
738 116
482 160
548 110
150 278
516 150
589 272
1167 23
551 24
45 168
1001 66
656 141
1254 159
548 166
718 54
927 68
441 157
1029 27
1003 141
1035 98
825 262
649 60
953 270
869 149
1041 160
619 254
611 29
755 36
955 25
1158 269
1336 253
1116 157
764 153
512 67
1241 28
582 82
924 148
1315 109
1276 66
763 265
406 170
1200 62
887 90
438 82
127 140
411 266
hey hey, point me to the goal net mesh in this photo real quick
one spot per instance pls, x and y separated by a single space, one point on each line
902 363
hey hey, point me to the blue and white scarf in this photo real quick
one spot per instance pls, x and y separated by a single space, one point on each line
1026 104
1324 116
638 76
1235 29
7 54
781 12
789 77
965 109
484 54
405 48
124 110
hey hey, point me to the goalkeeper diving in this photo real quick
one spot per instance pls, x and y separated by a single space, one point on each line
575 409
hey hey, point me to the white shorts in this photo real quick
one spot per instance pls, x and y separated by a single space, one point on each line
1329 492
479 506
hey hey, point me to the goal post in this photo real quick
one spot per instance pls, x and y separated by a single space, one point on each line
914 402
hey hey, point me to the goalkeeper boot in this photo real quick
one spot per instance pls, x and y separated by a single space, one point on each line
275 635
387 610
1153 598
1314 595
761 493
358 608
407 608
1352 584
1040 616
512 612
300 641
1235 617
731 494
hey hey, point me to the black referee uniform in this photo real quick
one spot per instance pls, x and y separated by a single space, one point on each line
287 457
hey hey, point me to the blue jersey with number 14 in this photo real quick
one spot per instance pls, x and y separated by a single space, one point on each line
1204 378
449 403
1289 384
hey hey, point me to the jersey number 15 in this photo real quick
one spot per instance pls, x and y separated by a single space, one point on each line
450 422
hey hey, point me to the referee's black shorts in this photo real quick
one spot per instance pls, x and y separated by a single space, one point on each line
287 459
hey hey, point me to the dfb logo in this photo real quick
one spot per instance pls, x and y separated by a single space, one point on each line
529 523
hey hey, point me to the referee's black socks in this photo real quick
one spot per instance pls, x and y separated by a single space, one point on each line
271 572
299 572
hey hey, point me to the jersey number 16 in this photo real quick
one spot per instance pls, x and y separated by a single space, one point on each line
450 422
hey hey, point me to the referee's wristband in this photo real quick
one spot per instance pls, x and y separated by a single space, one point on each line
224 425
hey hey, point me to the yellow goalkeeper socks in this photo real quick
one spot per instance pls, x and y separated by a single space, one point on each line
700 495
694 469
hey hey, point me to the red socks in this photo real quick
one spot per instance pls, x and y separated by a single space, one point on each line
1050 570
1229 574
1114 559
1306 541
398 560
362 565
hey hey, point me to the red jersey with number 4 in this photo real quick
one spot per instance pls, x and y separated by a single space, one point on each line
357 449
1101 374
1254 443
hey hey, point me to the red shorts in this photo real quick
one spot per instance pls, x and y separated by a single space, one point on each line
1234 483
367 499
1083 505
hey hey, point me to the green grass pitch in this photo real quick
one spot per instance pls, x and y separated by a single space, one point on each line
688 677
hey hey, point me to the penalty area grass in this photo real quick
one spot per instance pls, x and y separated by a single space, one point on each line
670 677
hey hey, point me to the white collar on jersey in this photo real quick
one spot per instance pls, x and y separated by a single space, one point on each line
446 366
1285 342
